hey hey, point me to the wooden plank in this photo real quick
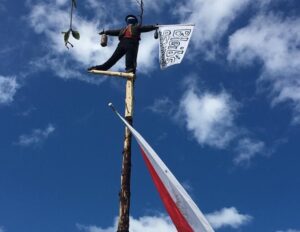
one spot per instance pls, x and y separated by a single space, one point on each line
113 73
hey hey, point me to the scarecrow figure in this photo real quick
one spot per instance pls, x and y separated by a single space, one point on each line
129 44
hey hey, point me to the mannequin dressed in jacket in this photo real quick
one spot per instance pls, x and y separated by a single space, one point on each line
129 44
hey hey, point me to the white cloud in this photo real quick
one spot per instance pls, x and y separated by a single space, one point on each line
36 137
289 230
212 19
51 19
209 116
8 89
162 106
148 53
2 229
222 218
156 5
61 67
228 217
273 41
61 2
247 149
97 5
145 224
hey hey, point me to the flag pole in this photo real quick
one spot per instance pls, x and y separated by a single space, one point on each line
124 210
124 194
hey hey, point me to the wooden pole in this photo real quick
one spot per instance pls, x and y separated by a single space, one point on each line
124 210
123 224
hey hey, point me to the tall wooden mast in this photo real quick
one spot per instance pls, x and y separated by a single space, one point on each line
123 224
124 210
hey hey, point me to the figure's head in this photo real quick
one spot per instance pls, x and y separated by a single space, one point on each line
131 19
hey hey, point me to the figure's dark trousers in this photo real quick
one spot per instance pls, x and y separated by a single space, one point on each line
126 47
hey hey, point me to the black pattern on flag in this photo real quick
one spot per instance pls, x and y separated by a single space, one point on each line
173 42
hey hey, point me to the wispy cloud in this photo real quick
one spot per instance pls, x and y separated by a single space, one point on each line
27 112
162 105
212 19
156 5
248 148
145 224
61 67
228 217
274 41
36 137
289 230
2 229
8 89
48 20
209 116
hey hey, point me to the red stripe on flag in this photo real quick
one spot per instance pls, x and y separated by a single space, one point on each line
178 219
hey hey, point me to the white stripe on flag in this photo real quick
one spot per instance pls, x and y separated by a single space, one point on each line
189 212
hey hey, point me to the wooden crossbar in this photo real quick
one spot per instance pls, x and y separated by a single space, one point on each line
112 73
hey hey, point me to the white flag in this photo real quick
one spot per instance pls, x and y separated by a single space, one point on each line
183 211
173 42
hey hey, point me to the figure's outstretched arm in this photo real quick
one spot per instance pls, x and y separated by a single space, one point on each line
147 28
111 32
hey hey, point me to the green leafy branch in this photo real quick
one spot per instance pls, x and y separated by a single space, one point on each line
72 32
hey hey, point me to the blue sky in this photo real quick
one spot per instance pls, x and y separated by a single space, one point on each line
225 121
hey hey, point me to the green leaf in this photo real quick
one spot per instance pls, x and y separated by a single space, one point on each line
66 36
74 3
76 34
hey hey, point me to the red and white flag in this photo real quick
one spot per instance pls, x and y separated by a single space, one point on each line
183 211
